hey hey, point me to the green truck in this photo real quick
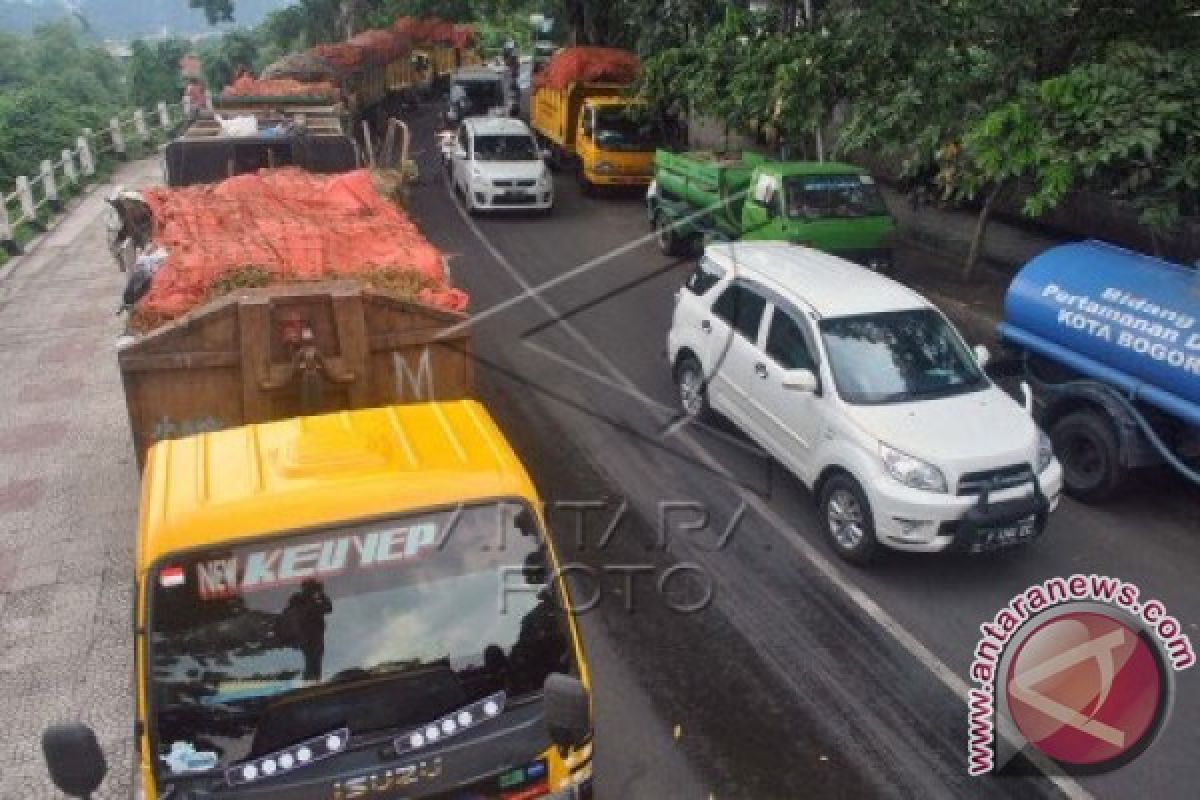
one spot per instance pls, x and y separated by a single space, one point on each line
701 196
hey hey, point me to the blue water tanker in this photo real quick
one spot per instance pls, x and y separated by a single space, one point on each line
1112 345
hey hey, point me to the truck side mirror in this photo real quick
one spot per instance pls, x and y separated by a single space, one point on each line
568 711
74 759
800 380
982 356
587 128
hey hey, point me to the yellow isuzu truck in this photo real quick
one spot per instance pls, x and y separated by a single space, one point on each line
362 604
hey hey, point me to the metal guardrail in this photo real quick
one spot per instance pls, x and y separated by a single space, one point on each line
75 167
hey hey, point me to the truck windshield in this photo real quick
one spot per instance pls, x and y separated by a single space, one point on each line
812 197
617 129
518 147
897 357
478 96
375 627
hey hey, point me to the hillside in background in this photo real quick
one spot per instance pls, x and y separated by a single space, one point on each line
123 19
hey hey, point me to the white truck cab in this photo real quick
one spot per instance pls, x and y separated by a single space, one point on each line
495 164
866 392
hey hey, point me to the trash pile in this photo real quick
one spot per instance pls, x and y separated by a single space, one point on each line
247 86
430 31
588 64
303 67
280 226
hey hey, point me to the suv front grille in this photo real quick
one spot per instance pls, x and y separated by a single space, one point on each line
995 480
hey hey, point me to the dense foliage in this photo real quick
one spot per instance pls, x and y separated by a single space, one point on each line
52 85
1048 95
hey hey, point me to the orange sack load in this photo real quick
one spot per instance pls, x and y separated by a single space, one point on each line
588 65
285 225
246 86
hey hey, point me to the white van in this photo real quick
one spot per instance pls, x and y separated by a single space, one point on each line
865 391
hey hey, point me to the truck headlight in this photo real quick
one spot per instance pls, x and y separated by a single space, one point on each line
911 471
604 168
1045 452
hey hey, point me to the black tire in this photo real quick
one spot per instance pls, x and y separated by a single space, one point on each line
1087 447
691 386
586 187
664 233
854 540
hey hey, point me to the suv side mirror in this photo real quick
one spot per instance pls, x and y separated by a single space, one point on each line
801 380
982 356
568 710
74 759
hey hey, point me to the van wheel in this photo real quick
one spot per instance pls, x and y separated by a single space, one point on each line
1087 446
848 521
664 234
693 395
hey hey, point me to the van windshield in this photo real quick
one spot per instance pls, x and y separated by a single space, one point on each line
811 197
375 627
477 96
505 147
898 357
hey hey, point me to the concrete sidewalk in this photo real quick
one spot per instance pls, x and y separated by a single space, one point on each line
68 500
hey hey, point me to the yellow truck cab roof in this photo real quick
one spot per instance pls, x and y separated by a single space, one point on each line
611 100
217 488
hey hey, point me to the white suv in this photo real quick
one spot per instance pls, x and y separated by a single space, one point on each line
495 165
863 390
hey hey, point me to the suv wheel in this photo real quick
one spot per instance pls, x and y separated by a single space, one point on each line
848 521
693 397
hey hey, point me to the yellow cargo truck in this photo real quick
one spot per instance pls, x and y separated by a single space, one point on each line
597 128
363 604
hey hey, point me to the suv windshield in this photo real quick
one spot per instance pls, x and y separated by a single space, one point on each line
832 197
373 627
507 147
897 357
616 129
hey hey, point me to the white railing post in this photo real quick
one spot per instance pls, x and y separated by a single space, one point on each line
68 162
118 138
25 196
86 161
7 240
139 124
164 116
50 185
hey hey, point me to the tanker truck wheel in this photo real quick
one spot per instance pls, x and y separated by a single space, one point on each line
1087 446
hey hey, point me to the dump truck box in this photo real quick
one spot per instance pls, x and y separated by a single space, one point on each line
290 350
706 180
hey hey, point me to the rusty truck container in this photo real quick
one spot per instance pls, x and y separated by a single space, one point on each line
288 350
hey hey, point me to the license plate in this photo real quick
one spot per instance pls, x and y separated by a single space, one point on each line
1008 535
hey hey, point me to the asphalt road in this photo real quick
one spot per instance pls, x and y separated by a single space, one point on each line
801 677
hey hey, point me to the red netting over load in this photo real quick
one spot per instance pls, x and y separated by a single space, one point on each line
286 225
342 55
283 87
464 36
383 47
588 64
426 31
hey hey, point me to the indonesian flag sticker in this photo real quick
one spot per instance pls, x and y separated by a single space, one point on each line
170 577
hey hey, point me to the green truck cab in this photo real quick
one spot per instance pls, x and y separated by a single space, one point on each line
831 206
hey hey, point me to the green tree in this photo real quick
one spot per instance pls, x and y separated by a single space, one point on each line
221 58
154 71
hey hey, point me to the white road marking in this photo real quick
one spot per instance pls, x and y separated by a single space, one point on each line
1067 785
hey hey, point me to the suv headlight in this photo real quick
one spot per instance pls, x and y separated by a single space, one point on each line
1045 452
912 472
